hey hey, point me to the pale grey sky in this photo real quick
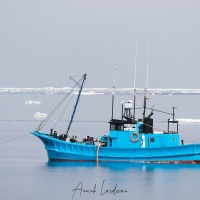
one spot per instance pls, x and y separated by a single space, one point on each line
43 42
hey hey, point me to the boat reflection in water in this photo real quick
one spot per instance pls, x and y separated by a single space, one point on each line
124 166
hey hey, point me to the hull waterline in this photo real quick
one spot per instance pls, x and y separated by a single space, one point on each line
58 150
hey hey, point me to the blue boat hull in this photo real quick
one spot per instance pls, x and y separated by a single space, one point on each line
67 151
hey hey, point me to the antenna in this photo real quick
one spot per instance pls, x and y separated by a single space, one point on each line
147 67
145 89
113 91
135 80
135 62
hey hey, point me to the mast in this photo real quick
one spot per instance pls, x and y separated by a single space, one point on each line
147 68
113 91
145 89
134 82
79 94
145 102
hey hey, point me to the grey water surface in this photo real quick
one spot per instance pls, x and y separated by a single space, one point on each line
25 172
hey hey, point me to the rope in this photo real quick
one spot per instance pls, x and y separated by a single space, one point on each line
42 124
160 111
63 111
152 127
55 109
14 138
97 153
154 110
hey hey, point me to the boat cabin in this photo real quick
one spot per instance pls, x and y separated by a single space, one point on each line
129 133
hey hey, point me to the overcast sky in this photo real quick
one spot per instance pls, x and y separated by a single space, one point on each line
43 42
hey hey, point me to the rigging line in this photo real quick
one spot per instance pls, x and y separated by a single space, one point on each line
50 115
47 119
14 138
75 81
64 99
55 109
160 111
153 127
63 120
63 111
59 96
64 85
76 104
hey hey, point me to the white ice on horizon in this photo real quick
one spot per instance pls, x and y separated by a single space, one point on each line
93 91
187 120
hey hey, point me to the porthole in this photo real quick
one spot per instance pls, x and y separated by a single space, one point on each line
152 139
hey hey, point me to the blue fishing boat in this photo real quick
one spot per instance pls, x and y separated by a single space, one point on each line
129 140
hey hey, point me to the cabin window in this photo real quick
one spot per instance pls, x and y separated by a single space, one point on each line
152 139
119 127
116 127
112 127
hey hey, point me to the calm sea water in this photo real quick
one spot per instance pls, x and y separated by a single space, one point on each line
25 172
